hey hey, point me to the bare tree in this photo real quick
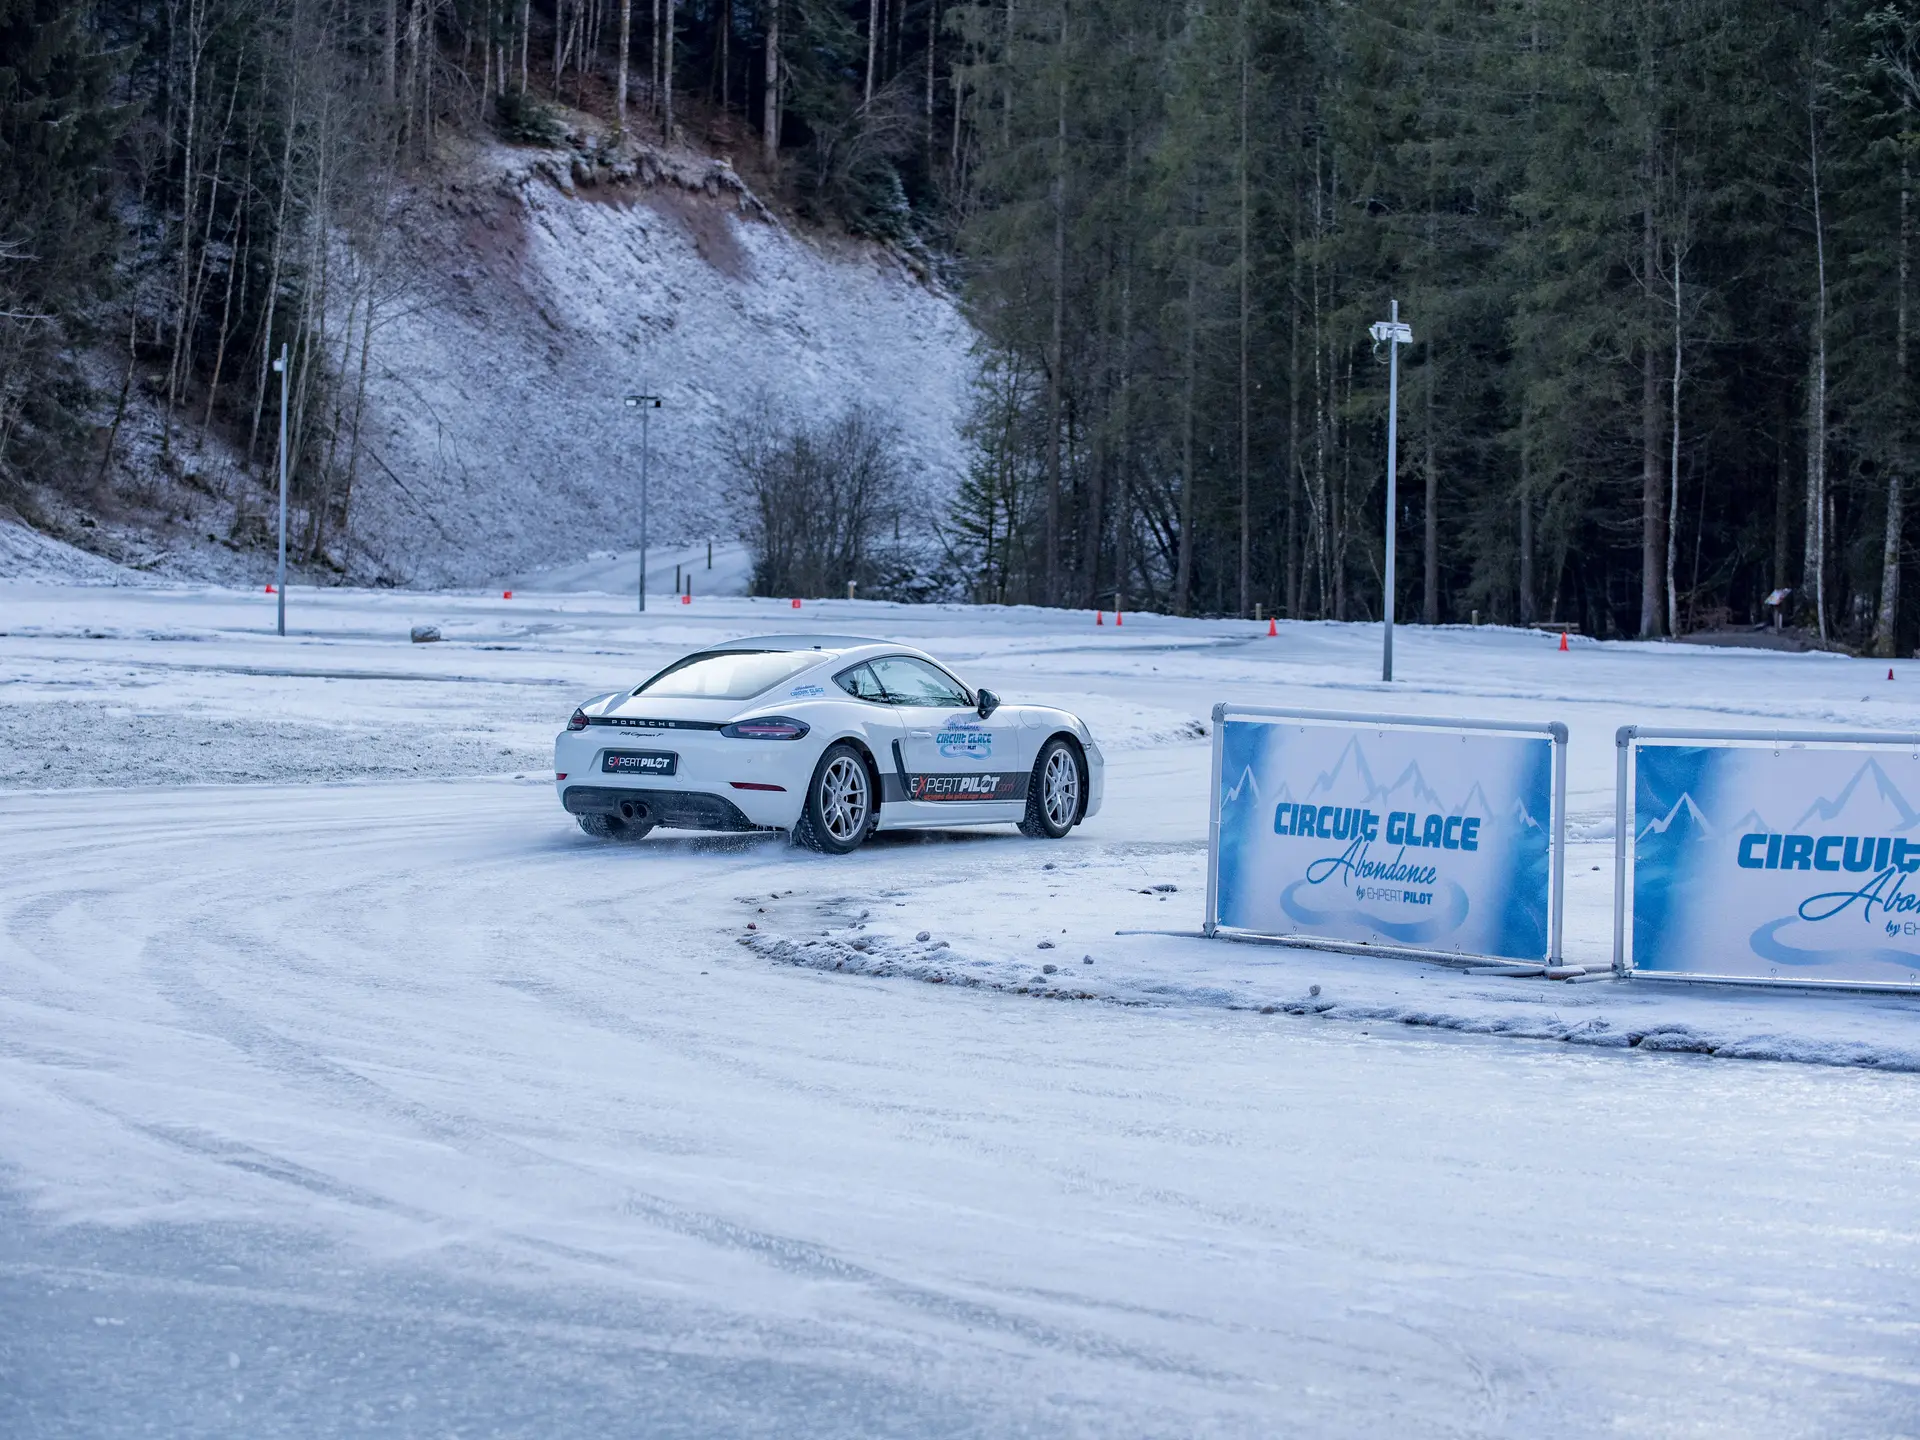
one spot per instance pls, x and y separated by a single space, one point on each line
1814 551
666 69
817 500
626 44
770 126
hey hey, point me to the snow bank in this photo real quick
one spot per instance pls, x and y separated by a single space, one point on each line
28 555
1110 922
1460 1008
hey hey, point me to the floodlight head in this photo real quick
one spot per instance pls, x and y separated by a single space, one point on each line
1388 330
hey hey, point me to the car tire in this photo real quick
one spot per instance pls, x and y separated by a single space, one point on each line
612 827
840 811
1056 791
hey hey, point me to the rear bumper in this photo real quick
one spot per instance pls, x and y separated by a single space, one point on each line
675 809
718 784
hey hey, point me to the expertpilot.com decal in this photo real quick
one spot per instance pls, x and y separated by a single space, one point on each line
964 787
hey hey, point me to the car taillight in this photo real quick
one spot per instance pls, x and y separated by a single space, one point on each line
579 720
766 727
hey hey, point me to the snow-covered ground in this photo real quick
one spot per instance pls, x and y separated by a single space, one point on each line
393 1104
714 568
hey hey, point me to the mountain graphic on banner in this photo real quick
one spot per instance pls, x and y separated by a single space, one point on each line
1874 808
1409 790
1247 781
1411 780
1684 821
1478 803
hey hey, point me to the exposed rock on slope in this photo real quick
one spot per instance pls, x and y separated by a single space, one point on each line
544 286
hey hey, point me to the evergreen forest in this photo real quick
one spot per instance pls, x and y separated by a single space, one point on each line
1655 256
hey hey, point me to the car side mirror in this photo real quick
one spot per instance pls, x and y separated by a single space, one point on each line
989 702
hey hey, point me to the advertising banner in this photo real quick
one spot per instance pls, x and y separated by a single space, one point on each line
1409 835
1769 860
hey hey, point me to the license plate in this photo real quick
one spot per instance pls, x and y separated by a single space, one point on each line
639 762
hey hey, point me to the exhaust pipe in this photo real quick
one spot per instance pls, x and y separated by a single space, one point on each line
631 811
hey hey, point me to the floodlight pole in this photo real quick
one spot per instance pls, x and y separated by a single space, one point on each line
1394 334
646 405
280 585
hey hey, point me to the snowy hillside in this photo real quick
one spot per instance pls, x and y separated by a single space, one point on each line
524 293
542 291
28 555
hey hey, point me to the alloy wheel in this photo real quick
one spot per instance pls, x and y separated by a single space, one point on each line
1061 788
844 801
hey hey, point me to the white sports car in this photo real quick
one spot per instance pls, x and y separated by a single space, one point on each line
826 736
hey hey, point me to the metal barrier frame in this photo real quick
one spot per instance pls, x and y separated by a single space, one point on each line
1553 730
1626 741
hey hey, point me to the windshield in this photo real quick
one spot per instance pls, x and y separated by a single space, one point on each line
728 674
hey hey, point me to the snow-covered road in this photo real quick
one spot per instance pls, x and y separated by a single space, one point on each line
403 1108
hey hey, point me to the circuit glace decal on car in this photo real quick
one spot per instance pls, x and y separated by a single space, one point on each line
965 787
964 744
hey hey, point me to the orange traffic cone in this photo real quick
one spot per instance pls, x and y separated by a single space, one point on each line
796 602
1889 672
506 594
1563 641
270 589
1118 618
1273 627
686 599
1099 617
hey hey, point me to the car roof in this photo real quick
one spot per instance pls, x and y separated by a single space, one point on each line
826 644
838 649
797 642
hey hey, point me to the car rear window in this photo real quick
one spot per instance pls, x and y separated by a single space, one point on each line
861 683
728 674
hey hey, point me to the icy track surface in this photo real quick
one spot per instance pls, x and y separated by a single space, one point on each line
376 1099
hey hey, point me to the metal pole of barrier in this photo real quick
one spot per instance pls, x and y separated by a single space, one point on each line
1212 921
1381 717
1559 900
1776 737
1623 743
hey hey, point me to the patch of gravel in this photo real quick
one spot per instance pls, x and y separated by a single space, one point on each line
63 746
